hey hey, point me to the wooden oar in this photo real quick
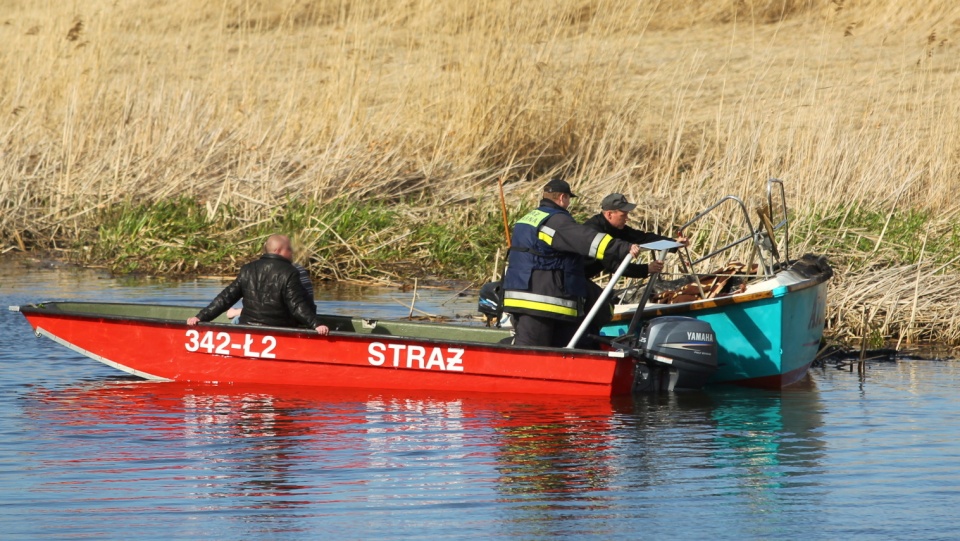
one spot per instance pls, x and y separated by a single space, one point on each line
503 210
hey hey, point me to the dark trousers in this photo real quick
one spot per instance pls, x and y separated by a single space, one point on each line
542 331
603 316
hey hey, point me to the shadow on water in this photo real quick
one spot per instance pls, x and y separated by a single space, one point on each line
280 458
295 450
264 434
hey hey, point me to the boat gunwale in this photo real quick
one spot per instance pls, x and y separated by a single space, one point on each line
56 310
716 302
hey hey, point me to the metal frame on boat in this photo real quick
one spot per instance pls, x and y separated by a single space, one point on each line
769 332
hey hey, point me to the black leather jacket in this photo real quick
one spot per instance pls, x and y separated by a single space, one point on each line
272 295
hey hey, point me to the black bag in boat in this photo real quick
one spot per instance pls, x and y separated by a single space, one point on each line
491 300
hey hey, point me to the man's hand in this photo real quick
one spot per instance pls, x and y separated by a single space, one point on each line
193 321
655 267
233 312
634 250
323 330
682 240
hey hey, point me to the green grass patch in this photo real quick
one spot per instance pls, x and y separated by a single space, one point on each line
167 236
341 240
866 237
400 241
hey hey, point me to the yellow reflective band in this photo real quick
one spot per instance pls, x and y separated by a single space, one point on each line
603 246
545 238
540 307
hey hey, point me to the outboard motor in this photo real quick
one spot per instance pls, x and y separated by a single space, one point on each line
676 353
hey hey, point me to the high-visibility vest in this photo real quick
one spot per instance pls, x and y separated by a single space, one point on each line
531 249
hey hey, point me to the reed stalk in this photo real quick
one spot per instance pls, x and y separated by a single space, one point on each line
238 111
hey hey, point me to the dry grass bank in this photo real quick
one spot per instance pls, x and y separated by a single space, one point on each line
246 103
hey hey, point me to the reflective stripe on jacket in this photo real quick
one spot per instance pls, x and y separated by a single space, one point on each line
545 273
627 234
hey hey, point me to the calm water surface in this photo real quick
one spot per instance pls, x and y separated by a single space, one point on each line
90 454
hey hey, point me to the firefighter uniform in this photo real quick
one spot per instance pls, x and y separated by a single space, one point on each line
545 284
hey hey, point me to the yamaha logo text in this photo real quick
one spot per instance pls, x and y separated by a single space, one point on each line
699 336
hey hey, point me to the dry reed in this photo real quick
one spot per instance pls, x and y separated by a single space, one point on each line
244 103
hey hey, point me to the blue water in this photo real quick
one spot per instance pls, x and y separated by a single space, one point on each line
87 453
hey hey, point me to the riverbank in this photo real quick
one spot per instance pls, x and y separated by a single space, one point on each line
896 276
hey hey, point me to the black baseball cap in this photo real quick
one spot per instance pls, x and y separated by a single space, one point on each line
558 185
617 201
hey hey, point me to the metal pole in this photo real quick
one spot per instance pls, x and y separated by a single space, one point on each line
600 302
638 315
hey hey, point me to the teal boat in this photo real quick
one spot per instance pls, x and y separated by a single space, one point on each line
768 315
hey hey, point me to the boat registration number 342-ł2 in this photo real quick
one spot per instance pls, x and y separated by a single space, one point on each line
221 344
380 354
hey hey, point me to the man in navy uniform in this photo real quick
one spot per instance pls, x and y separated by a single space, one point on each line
612 220
545 284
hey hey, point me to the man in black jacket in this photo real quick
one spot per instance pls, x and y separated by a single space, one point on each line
544 285
612 220
234 313
271 291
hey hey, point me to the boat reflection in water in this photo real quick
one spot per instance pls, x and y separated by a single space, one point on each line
557 448
765 433
758 455
774 437
285 455
285 440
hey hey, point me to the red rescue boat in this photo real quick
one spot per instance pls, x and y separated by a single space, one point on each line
153 342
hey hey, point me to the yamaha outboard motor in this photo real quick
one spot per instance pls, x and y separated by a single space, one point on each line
676 353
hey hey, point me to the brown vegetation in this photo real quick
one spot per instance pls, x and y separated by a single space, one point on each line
246 103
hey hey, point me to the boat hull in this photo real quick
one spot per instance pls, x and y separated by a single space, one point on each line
765 339
157 345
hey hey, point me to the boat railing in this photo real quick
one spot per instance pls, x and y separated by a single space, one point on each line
704 213
756 237
762 236
759 244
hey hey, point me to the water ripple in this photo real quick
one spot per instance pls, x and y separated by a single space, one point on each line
91 454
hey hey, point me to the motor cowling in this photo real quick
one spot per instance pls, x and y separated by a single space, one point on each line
676 353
